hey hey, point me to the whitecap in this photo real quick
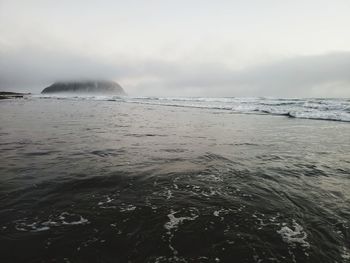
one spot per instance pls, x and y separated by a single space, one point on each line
174 222
294 236
127 208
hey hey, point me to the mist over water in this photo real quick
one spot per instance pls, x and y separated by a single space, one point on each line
107 179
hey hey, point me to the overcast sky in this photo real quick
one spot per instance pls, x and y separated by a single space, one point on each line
290 48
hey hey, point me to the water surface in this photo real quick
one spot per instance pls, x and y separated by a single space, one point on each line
118 181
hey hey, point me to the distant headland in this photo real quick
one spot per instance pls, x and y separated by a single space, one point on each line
11 95
96 87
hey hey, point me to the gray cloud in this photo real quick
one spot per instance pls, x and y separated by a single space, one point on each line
304 76
28 69
179 48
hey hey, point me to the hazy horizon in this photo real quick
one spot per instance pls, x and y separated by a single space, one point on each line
187 48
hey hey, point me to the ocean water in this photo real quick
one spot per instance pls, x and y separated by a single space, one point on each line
311 108
108 179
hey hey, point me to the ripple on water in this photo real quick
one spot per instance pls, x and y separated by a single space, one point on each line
345 254
37 225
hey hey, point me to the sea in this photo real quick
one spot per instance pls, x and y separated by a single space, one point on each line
157 179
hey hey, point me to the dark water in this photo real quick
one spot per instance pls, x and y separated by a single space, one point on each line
108 181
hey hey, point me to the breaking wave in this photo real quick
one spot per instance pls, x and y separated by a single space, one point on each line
315 108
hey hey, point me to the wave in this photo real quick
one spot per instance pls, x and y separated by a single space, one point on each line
316 108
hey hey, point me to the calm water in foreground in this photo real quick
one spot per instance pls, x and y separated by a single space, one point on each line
115 181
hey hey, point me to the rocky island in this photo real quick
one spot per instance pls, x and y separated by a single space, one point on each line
96 87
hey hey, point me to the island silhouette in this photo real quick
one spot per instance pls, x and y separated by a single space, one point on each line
88 86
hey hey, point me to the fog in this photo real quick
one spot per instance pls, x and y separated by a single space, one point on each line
187 48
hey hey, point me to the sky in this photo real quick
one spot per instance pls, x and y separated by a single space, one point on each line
211 48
